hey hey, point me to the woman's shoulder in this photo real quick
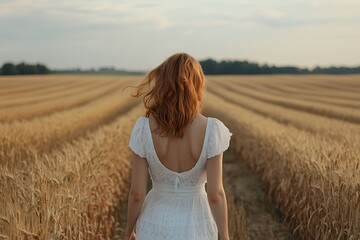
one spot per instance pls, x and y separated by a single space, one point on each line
219 137
219 130
140 122
218 123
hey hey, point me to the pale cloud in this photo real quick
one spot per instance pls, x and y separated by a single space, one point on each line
87 12
14 8
273 13
120 33
334 3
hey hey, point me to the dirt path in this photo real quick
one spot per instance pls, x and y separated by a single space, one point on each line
263 219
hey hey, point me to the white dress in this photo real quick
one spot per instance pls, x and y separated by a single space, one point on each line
177 207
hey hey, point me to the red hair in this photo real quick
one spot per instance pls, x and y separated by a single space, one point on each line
177 93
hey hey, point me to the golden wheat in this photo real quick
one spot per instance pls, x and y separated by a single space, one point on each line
341 113
316 124
313 179
295 94
73 191
17 86
70 189
42 108
62 91
64 171
20 140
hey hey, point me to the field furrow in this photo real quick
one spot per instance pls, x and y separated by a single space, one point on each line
278 91
286 88
338 83
293 84
327 92
348 115
318 125
311 178
323 87
51 95
9 82
328 85
22 139
256 216
353 84
23 113
38 86
72 192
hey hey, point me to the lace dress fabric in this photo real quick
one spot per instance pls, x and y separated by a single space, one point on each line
177 206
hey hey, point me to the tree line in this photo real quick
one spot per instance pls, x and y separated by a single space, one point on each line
212 67
23 69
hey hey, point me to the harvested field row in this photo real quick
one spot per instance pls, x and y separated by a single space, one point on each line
353 84
39 85
72 192
50 95
334 95
344 80
251 214
337 130
337 87
348 115
22 140
314 181
23 113
304 83
292 94
323 92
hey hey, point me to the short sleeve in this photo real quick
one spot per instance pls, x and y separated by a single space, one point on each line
219 138
137 137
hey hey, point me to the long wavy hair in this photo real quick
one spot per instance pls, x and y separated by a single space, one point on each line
173 94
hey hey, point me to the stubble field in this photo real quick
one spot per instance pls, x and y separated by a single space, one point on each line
65 161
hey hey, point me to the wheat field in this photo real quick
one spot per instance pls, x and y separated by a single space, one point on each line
65 163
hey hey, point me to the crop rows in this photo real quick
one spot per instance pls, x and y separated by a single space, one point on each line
56 93
322 109
43 108
73 191
65 163
63 174
311 176
279 91
22 139
315 124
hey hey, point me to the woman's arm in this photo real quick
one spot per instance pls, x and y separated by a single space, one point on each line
137 193
216 195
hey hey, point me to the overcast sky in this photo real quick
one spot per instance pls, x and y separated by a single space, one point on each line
140 34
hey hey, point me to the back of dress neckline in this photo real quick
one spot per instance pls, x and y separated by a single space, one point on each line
201 153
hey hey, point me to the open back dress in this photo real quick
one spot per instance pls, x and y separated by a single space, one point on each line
177 208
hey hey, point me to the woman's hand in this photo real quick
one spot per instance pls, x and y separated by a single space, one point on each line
131 236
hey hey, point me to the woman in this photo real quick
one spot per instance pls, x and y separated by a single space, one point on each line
182 150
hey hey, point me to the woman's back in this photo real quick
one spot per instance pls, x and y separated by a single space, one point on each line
180 155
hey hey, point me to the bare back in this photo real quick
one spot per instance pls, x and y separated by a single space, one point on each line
180 155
